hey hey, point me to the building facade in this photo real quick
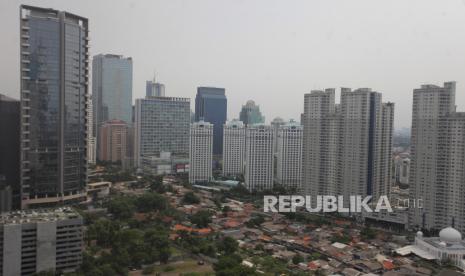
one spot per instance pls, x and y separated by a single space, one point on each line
289 156
40 241
9 148
91 142
250 114
402 170
276 124
6 196
347 147
437 168
113 141
54 72
111 89
233 148
161 125
211 106
200 152
259 157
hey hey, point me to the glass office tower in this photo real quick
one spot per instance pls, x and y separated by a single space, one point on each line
54 90
111 88
211 106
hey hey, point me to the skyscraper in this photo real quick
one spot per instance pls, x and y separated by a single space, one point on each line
111 89
162 125
211 106
233 148
289 155
347 147
259 157
250 114
113 141
54 90
200 152
437 168
9 147
154 89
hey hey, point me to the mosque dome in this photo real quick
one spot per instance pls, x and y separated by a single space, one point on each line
450 235
419 234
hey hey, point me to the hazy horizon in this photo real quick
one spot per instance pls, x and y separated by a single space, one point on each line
270 51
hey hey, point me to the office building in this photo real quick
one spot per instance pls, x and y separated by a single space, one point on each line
437 168
161 125
42 240
200 152
9 148
54 72
233 148
113 139
259 157
250 114
111 89
91 143
347 147
164 164
211 106
154 89
289 156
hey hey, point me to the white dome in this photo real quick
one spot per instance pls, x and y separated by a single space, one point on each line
450 235
420 234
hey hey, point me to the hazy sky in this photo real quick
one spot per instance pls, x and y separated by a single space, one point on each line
271 51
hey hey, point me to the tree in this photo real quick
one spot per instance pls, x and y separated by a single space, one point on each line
297 259
367 233
121 207
228 245
232 266
157 184
151 202
202 218
190 198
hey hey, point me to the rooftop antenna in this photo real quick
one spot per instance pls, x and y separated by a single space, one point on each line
154 75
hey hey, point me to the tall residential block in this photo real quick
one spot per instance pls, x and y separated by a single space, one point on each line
9 149
250 114
113 141
40 241
347 147
275 125
111 89
289 156
161 125
211 106
259 157
54 73
437 168
154 89
233 148
402 169
200 152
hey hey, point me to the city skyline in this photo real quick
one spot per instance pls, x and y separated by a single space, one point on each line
286 59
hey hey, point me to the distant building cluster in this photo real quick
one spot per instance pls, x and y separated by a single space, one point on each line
57 131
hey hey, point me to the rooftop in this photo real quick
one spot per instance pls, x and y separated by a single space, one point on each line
38 215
